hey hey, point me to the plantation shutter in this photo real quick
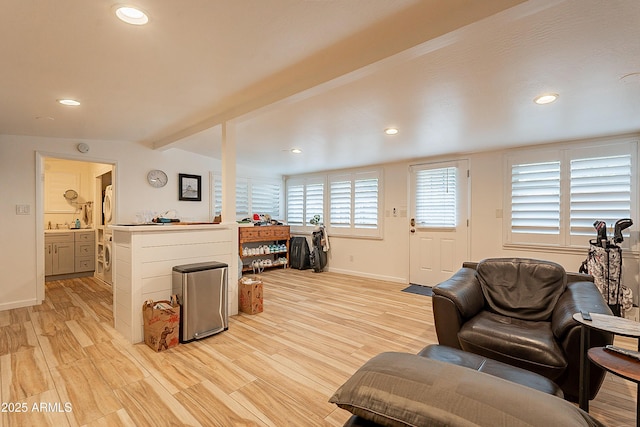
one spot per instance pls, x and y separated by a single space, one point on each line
265 198
535 198
314 202
295 204
366 203
217 195
242 198
340 202
600 190
436 197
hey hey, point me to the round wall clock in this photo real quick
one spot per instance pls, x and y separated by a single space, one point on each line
157 178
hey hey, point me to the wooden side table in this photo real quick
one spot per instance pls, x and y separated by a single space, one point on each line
620 365
615 325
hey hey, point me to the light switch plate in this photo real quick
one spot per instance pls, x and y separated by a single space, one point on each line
23 209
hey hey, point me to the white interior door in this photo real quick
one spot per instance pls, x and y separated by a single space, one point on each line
439 227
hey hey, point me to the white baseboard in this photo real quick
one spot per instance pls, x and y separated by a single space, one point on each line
19 304
369 275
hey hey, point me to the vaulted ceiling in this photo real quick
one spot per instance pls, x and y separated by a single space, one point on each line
324 76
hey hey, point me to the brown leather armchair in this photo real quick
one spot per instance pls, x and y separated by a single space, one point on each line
519 311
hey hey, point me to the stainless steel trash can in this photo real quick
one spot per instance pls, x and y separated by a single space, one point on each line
202 293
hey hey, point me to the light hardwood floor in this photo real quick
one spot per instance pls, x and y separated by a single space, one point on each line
64 364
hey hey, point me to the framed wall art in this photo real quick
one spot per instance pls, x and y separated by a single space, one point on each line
189 187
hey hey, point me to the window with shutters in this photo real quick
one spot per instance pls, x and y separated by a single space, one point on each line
242 197
217 194
354 207
348 203
314 202
265 197
555 196
295 205
305 199
535 200
435 197
253 195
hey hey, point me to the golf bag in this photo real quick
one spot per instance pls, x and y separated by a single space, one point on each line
318 255
299 253
604 263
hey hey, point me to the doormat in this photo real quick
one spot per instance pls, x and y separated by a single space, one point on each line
419 289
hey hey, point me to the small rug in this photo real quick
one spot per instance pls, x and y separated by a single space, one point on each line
419 289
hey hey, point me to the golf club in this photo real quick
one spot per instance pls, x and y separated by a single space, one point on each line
601 228
621 224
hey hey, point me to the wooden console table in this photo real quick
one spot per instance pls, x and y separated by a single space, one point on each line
620 365
617 364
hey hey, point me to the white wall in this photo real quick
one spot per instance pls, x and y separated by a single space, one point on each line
388 258
84 188
19 272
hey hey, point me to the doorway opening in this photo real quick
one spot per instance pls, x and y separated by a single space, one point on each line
72 233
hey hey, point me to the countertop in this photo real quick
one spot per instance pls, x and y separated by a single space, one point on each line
67 230
175 226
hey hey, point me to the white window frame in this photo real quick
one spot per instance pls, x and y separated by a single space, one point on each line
349 227
449 217
247 184
565 240
580 238
530 158
307 213
258 187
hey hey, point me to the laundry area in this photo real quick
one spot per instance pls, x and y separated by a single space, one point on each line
78 207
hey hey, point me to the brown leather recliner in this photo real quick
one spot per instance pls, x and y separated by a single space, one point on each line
520 311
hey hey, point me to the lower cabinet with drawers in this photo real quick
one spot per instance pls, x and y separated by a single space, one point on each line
69 252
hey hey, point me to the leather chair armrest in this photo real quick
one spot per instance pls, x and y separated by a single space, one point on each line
463 289
579 296
454 301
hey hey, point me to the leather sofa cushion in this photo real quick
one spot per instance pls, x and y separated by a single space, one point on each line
491 367
521 288
400 389
525 344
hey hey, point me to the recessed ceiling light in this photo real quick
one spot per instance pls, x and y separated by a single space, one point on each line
131 15
70 102
296 150
547 98
391 131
